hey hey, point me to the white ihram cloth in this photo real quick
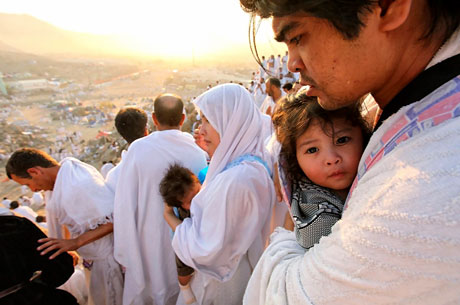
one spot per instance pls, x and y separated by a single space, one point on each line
81 201
397 242
106 168
142 236
26 212
112 176
230 216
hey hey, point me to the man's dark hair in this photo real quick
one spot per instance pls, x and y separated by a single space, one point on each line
347 16
25 158
130 123
40 218
274 81
177 181
168 109
14 204
287 86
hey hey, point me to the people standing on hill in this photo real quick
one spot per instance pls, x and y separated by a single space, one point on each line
142 236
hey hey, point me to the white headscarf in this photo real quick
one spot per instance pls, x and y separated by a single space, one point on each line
230 109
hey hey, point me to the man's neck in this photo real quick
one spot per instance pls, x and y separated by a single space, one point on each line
276 95
163 128
411 64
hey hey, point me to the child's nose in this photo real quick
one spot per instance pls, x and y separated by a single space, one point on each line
333 158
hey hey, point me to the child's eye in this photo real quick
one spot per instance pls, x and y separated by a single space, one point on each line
343 140
312 150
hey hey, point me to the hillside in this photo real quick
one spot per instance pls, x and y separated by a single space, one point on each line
31 35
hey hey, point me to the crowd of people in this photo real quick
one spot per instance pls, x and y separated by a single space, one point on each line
304 197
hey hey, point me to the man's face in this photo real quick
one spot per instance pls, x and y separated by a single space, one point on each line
338 71
268 89
38 181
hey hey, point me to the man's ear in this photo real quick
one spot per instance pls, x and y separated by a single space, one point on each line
155 120
393 13
33 171
182 120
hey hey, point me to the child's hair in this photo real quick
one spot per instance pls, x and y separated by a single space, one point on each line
293 117
177 181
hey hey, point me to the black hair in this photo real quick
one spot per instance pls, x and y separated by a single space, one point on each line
347 16
14 204
287 86
130 123
175 184
25 158
274 81
294 116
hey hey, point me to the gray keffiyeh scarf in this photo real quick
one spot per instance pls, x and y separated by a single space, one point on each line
315 210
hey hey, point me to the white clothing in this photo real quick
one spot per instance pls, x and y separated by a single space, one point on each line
259 94
397 242
81 201
106 168
76 285
5 212
37 199
268 103
6 203
284 61
142 236
112 176
229 223
26 212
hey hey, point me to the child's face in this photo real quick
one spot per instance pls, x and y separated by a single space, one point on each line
187 200
330 162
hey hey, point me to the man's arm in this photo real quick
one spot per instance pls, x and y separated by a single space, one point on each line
64 245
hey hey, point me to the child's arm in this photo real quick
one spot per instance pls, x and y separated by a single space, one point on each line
170 218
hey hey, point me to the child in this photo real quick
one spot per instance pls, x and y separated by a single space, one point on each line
178 187
321 151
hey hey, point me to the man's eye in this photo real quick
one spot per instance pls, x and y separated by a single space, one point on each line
343 140
312 150
295 40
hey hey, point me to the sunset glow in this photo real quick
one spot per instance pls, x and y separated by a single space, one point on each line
175 28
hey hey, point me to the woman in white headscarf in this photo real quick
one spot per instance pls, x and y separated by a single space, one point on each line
230 217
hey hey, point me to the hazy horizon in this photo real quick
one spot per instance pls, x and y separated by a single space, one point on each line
178 29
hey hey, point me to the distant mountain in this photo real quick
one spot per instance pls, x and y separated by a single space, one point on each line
31 35
7 48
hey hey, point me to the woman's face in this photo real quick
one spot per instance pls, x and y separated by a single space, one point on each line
210 135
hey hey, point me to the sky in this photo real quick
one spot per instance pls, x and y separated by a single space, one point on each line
158 27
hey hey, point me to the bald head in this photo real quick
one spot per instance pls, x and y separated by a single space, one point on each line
168 110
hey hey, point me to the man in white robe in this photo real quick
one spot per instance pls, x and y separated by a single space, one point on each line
78 199
23 211
131 124
106 167
142 237
274 93
397 241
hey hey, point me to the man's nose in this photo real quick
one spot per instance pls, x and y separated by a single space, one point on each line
295 62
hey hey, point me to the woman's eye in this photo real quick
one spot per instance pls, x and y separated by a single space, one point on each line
312 150
343 140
